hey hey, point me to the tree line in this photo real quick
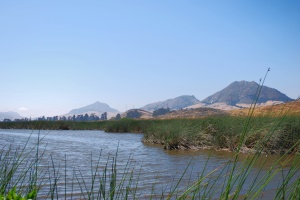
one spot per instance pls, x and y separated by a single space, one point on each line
81 117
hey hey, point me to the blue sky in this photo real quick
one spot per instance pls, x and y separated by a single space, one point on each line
60 55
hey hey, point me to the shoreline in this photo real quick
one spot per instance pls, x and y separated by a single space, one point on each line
191 147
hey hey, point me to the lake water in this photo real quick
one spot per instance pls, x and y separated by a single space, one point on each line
155 169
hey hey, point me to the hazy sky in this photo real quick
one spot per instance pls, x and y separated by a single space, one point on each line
60 55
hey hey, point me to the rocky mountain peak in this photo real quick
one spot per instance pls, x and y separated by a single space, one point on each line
244 92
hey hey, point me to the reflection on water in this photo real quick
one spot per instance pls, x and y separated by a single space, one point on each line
153 166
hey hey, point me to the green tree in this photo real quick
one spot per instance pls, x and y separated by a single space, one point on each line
118 116
160 111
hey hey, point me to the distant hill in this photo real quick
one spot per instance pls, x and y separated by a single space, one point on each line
243 92
9 115
95 107
98 108
173 104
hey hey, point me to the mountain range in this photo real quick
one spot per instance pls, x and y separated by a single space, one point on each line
236 95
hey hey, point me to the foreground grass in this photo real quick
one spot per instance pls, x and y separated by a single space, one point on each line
24 175
223 132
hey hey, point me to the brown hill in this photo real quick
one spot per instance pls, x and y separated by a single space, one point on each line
193 113
290 108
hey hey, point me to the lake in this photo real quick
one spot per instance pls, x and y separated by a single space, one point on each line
71 157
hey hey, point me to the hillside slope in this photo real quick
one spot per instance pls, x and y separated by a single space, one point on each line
193 113
173 104
289 108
